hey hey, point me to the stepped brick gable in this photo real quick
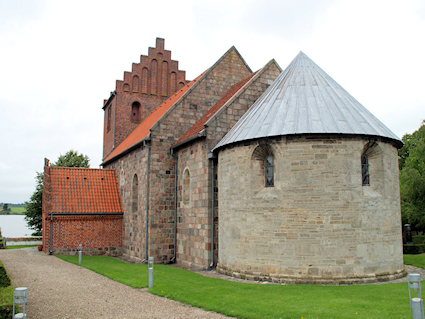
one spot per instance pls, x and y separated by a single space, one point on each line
151 82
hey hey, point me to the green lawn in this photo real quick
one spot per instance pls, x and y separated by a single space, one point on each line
18 210
244 300
19 246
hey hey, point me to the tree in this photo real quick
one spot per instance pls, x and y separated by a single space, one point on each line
412 178
34 205
73 159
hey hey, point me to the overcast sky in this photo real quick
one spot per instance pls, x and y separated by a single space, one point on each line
60 59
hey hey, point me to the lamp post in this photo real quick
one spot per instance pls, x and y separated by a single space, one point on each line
150 270
416 303
80 253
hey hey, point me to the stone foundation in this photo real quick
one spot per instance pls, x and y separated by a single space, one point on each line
313 280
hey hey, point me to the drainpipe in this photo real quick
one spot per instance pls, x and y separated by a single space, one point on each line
147 194
211 157
51 237
175 205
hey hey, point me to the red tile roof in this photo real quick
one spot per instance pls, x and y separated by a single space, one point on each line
143 129
84 190
199 126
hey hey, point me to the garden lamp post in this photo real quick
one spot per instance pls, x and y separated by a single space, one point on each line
80 253
416 303
150 270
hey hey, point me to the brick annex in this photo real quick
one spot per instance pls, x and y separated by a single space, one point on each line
270 175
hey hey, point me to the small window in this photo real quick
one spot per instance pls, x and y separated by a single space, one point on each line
135 195
365 171
135 112
108 127
269 171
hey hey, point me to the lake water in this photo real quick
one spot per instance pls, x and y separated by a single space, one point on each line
14 226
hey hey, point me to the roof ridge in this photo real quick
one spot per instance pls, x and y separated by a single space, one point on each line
204 75
254 76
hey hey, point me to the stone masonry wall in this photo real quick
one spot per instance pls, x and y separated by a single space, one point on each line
227 72
134 224
194 216
318 224
194 205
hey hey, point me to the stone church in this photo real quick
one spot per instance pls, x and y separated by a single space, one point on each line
269 175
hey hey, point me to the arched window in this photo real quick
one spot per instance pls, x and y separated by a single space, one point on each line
263 167
135 109
135 195
365 171
269 171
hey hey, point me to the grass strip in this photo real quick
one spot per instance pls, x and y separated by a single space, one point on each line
244 300
20 246
415 260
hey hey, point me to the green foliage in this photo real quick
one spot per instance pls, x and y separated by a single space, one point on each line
34 205
414 249
418 239
244 300
6 294
4 278
412 178
6 302
73 159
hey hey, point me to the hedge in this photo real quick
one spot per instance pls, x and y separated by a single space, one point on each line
414 249
418 239
6 294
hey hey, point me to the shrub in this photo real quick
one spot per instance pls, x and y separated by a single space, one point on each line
418 239
4 278
413 249
6 294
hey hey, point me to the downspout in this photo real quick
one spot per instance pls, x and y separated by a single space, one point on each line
51 237
147 195
115 118
211 156
173 260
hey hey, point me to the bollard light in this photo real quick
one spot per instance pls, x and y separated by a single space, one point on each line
80 253
150 270
415 296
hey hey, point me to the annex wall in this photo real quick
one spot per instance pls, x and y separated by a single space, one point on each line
318 224
99 235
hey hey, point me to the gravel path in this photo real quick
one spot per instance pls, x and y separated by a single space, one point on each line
58 289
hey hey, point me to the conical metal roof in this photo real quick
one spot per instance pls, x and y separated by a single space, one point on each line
305 99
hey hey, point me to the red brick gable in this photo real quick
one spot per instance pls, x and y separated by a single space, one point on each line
143 130
199 126
84 190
